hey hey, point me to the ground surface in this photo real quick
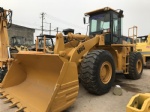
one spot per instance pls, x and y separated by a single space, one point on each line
87 102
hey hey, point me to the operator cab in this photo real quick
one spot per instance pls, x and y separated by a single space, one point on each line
48 41
108 21
141 39
17 41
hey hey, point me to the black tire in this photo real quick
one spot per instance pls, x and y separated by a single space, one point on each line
2 74
135 66
91 72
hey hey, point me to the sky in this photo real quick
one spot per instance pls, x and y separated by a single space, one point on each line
69 13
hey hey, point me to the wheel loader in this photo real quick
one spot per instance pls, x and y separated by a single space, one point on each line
44 43
18 44
49 82
143 46
5 56
6 49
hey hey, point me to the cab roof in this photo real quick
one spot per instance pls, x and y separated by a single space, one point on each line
100 10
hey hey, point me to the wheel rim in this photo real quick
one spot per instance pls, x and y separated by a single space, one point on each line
105 72
139 66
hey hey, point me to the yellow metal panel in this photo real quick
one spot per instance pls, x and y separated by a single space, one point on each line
4 41
139 103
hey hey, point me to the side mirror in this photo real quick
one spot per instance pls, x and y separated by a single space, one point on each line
86 20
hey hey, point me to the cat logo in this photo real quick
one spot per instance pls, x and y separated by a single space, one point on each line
82 48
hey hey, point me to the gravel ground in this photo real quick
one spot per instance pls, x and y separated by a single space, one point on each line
109 102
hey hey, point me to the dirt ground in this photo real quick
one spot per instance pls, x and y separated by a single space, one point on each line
109 102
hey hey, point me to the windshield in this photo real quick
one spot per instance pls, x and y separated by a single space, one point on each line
99 22
48 42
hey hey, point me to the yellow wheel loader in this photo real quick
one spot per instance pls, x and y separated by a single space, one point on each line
5 57
44 43
143 46
18 44
48 82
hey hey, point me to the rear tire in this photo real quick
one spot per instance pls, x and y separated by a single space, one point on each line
135 66
97 72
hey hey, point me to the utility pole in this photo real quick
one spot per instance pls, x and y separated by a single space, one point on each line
43 14
57 29
49 28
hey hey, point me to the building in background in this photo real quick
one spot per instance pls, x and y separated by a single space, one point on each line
22 31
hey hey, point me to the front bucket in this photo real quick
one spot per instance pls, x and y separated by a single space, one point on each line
41 83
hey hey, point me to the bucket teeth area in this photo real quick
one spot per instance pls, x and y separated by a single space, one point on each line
1 92
8 100
3 96
20 109
14 105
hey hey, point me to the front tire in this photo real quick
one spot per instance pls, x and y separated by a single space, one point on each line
97 72
135 66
